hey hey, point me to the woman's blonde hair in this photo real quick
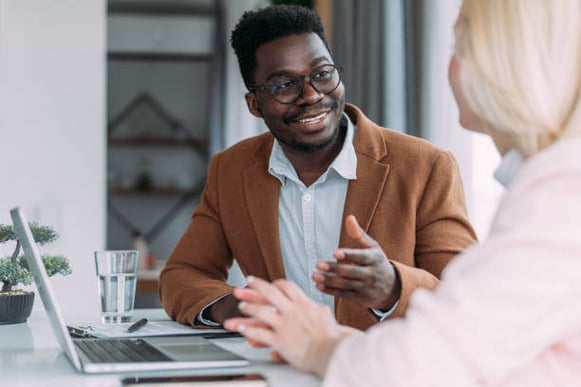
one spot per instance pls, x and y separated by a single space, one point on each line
520 67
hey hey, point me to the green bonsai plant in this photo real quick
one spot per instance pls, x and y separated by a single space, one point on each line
14 268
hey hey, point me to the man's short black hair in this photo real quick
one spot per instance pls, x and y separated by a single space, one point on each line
267 24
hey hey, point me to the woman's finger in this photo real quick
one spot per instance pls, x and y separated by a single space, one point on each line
260 335
291 290
271 293
250 295
267 314
277 357
255 344
233 323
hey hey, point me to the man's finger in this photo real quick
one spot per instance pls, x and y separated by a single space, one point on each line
347 271
355 231
362 257
332 281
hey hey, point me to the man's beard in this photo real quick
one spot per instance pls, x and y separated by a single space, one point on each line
311 148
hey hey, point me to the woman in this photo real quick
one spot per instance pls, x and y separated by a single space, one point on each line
508 312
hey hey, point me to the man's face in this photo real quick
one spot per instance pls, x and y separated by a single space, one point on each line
311 122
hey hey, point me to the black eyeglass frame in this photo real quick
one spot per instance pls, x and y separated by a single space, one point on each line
301 82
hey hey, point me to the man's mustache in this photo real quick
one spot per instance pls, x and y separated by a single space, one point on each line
321 106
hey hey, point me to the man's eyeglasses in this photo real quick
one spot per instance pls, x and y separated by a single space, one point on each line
287 88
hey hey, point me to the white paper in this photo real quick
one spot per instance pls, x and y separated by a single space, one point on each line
152 328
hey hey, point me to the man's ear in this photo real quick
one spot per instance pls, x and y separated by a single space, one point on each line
252 104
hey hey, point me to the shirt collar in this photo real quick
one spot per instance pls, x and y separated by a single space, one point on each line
508 167
345 164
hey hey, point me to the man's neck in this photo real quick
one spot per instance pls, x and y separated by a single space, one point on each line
311 165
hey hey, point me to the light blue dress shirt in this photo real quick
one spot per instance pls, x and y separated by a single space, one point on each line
310 218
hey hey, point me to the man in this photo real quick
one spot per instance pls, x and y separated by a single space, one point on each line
276 202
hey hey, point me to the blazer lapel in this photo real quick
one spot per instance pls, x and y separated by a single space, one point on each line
364 193
262 191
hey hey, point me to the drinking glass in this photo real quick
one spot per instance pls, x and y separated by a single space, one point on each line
117 277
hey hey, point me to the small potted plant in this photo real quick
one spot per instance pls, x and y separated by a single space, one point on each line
16 304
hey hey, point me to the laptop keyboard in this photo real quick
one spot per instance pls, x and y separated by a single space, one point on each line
120 351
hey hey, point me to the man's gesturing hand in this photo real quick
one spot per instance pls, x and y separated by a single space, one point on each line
363 274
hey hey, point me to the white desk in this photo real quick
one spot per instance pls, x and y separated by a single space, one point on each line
30 356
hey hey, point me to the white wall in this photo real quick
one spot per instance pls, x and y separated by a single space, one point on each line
52 131
477 158
239 123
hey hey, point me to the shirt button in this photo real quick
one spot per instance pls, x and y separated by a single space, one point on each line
307 197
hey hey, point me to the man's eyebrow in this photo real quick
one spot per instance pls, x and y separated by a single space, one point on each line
280 73
315 61
320 59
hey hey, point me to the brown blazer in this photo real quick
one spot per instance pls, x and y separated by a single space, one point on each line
408 196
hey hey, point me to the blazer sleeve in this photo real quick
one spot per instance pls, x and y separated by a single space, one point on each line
442 229
196 271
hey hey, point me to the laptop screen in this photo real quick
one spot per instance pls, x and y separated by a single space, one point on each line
34 260
184 352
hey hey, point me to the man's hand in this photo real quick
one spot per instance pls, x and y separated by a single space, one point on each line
228 306
363 274
224 309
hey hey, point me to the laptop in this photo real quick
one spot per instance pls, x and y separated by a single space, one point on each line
95 355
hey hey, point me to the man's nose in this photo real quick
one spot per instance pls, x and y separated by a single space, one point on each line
309 94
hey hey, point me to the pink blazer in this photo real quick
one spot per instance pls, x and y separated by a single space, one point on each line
507 312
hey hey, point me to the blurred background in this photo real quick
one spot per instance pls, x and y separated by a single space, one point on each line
110 111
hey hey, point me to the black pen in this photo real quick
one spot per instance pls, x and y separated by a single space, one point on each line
137 325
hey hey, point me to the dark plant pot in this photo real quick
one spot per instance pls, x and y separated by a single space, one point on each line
15 307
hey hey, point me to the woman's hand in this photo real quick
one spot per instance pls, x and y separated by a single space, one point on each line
282 317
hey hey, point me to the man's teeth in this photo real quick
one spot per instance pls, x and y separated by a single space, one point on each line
312 119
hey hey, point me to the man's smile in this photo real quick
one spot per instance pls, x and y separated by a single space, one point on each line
315 119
